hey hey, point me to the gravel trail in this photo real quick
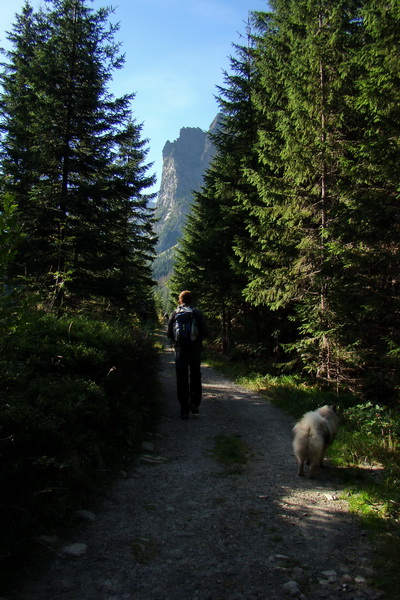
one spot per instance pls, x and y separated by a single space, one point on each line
179 527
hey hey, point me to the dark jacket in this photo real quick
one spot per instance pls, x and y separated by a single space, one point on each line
201 324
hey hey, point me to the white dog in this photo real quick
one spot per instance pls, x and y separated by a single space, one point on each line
311 437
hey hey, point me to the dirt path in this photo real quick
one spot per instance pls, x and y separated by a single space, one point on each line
181 529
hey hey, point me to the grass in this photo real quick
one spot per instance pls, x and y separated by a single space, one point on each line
232 452
366 453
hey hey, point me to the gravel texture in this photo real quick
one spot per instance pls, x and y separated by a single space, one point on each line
180 526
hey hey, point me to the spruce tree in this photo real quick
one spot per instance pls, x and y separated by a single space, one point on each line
218 220
203 261
305 78
19 155
369 311
82 195
269 238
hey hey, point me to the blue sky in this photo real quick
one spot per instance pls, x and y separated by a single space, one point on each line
175 54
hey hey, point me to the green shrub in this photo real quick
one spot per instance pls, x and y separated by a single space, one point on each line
375 421
77 395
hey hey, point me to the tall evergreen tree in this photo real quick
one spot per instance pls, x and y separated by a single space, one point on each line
321 36
303 61
218 217
269 239
83 204
203 262
19 156
369 311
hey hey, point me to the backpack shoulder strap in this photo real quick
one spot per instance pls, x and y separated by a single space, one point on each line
182 309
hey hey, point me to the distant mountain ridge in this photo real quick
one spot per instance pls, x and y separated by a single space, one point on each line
184 163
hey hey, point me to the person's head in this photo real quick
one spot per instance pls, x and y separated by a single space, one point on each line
185 297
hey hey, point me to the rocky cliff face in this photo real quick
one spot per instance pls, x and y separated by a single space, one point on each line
184 163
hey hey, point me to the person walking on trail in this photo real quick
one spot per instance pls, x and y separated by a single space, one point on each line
187 327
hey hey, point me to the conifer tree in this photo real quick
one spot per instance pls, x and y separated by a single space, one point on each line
203 262
83 204
269 238
369 311
18 152
218 220
303 64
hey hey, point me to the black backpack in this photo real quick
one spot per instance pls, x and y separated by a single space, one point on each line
185 326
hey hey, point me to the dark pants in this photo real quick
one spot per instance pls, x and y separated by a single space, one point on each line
188 376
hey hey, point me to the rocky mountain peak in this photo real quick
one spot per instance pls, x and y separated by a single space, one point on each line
184 162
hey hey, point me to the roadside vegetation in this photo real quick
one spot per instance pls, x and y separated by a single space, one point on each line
78 394
78 386
365 454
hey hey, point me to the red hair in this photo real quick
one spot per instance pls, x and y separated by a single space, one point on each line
185 297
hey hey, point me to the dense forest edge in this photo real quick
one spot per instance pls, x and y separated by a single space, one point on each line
291 249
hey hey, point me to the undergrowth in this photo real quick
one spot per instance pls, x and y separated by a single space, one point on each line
77 395
366 454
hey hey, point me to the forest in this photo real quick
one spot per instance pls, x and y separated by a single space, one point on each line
76 298
291 247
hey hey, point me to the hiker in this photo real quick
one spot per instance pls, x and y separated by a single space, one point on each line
187 327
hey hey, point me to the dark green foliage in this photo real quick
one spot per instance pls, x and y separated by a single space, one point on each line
73 158
299 214
76 397
206 260
11 235
77 392
76 234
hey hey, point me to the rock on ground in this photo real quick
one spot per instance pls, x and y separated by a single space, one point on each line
178 526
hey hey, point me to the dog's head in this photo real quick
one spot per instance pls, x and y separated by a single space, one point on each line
328 412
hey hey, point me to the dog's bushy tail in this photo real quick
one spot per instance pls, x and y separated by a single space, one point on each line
309 441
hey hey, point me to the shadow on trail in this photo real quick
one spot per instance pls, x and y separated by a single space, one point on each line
272 525
183 527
